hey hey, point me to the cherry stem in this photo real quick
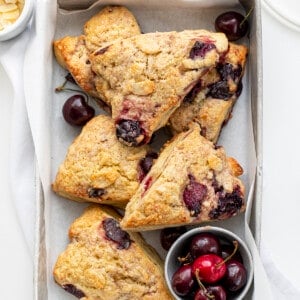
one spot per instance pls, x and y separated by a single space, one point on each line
186 259
236 246
208 295
62 88
247 16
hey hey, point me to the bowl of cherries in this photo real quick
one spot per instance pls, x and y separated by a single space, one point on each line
208 263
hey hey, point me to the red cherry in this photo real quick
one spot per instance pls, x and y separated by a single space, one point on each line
183 281
200 295
210 268
76 110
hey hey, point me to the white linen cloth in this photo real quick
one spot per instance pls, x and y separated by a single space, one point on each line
22 158
22 161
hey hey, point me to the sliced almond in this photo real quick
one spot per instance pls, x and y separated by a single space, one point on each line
20 6
12 15
11 1
4 23
7 7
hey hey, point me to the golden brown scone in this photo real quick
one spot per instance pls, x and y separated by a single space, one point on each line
98 168
146 77
111 23
191 182
72 53
211 101
103 262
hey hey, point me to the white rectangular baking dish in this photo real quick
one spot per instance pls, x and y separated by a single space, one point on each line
54 214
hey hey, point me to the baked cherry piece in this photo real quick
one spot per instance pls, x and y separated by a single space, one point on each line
130 132
219 90
193 195
204 243
210 268
236 276
70 288
169 235
183 280
76 110
145 164
200 49
95 192
232 24
114 233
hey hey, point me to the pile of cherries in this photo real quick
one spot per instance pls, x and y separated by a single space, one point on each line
212 268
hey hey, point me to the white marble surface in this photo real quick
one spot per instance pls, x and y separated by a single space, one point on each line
281 48
281 201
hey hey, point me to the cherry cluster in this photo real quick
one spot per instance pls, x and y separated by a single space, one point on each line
211 269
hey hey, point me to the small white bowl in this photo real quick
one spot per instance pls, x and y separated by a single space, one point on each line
181 244
20 24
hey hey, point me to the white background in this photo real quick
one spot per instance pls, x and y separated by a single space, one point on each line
281 201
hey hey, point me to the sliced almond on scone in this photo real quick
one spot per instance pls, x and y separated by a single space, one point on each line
191 182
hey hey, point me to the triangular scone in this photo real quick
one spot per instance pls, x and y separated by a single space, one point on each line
104 262
146 77
191 182
98 168
72 52
211 101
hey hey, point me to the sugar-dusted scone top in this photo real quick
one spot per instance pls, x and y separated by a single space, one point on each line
95 266
72 52
207 108
98 168
191 182
146 77
111 23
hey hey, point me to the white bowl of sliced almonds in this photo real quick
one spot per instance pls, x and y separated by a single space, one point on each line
14 17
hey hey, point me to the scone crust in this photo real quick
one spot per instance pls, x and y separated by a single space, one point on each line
71 54
188 157
97 269
97 163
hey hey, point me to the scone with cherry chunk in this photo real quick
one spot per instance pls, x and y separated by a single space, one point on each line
98 168
104 262
72 52
146 77
212 99
192 181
